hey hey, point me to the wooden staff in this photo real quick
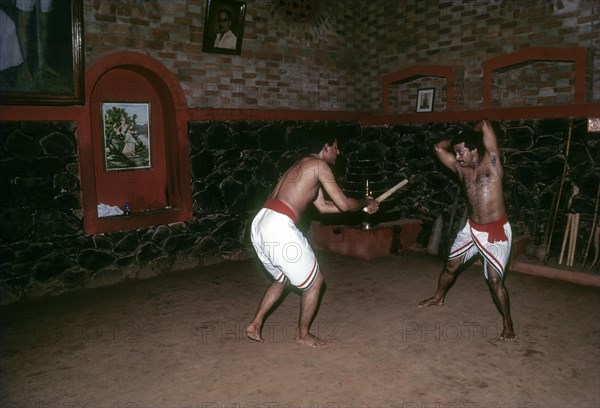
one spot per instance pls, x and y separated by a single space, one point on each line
570 245
566 237
535 218
589 243
562 182
596 245
389 192
573 239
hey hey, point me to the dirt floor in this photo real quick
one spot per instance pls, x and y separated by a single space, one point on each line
178 341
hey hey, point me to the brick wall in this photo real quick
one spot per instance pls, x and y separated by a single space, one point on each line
334 59
466 33
283 64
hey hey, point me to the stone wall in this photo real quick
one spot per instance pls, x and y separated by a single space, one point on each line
234 165
43 248
533 158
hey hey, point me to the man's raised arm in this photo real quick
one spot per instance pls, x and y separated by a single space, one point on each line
444 155
489 138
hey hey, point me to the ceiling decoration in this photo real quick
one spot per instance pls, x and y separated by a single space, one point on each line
302 20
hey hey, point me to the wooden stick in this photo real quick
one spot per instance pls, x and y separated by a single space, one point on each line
596 245
566 237
575 228
589 243
562 182
573 240
389 192
570 243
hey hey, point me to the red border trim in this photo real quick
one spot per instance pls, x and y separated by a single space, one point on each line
534 112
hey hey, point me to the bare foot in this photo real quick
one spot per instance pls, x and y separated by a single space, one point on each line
253 332
432 301
508 334
311 341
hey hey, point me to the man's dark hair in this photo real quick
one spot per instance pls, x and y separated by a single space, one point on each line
319 137
471 139
226 11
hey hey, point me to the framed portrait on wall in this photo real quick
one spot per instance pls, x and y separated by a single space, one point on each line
425 100
224 26
126 128
41 53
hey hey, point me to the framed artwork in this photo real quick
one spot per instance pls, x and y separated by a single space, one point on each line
41 53
224 26
593 125
425 100
126 128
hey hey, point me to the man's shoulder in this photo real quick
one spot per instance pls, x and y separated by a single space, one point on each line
310 166
308 162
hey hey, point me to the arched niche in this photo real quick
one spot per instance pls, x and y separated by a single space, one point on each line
575 55
159 192
414 72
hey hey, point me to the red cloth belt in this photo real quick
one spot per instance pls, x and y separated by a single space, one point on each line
494 229
281 207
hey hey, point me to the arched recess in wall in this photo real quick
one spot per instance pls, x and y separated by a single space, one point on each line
152 175
575 55
414 72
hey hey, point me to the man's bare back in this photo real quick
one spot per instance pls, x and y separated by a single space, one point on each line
299 185
305 182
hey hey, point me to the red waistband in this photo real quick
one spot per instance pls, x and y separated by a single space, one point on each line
281 207
494 229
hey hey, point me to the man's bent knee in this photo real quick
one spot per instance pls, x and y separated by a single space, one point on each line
494 279
452 265
317 283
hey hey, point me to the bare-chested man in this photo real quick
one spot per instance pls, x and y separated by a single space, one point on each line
476 161
282 248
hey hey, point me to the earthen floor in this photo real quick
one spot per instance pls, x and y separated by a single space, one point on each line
178 341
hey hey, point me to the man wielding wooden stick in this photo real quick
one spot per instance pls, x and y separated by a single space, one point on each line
282 248
476 162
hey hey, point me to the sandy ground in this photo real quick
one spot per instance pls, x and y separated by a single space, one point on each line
178 341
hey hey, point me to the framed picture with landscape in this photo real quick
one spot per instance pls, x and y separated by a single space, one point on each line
41 57
126 128
224 26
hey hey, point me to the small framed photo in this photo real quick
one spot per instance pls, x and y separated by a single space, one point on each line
425 100
126 128
224 26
